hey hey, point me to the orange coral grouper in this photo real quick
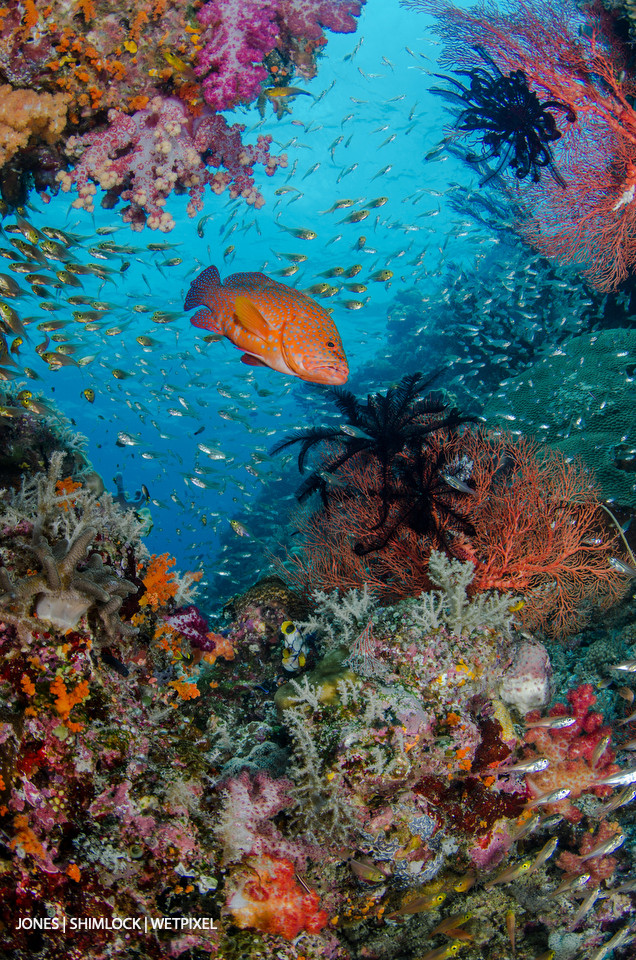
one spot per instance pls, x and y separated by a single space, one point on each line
275 325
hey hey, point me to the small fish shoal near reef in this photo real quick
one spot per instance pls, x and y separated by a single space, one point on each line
275 325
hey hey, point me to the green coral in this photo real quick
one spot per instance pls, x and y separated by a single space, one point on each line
580 400
449 608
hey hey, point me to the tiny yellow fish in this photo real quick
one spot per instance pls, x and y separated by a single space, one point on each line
301 233
356 217
352 304
175 62
513 872
442 953
418 905
277 93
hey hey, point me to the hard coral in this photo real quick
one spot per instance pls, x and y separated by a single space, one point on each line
272 596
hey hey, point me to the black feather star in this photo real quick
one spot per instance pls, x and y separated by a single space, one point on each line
391 430
506 116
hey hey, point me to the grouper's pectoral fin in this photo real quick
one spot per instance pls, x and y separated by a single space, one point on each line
252 361
250 318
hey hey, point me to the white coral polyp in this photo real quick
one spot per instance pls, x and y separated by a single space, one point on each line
63 611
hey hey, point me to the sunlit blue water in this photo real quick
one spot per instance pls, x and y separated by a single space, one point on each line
183 392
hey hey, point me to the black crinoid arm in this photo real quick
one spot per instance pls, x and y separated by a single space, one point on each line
389 430
502 114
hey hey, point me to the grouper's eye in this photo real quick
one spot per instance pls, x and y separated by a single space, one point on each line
330 343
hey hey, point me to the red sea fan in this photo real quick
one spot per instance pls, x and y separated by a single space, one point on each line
532 526
570 55
540 532
327 559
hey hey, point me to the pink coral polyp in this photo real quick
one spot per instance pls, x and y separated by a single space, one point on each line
236 39
144 157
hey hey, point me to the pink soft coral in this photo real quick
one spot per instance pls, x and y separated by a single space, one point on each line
245 825
236 39
238 36
570 752
144 157
308 18
599 868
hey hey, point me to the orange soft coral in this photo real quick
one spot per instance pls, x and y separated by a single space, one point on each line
25 838
27 117
266 897
160 584
65 699
186 690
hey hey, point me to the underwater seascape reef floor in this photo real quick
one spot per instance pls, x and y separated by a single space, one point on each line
324 776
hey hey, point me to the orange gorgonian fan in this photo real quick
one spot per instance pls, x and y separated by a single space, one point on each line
532 525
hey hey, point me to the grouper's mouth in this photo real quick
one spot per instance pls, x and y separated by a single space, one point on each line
326 373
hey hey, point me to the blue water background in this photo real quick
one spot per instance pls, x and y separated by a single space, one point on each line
377 89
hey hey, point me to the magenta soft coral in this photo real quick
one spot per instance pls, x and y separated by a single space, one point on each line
238 36
144 157
571 752
308 18
236 39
